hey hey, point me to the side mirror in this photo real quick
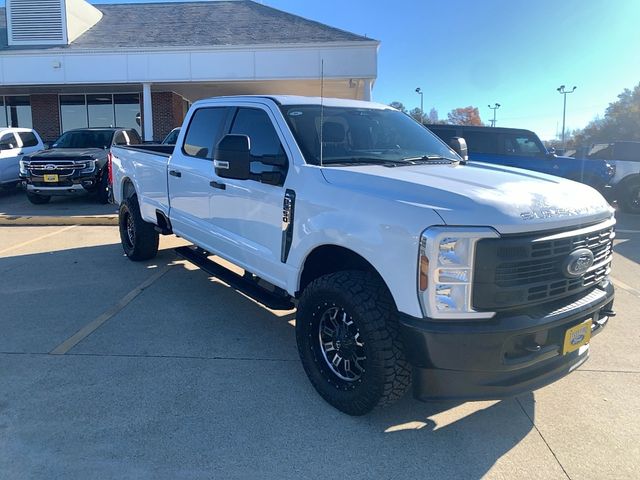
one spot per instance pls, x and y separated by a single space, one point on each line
459 146
46 145
6 146
552 150
231 158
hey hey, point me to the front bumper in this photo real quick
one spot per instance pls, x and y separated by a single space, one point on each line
69 185
512 353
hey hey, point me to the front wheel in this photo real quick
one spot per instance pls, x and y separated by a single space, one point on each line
139 238
630 197
347 336
38 199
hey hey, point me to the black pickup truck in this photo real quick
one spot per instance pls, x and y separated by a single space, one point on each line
75 164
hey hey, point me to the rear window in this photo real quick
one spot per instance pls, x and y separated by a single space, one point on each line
204 132
28 139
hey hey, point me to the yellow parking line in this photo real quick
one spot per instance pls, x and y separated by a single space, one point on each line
37 239
92 326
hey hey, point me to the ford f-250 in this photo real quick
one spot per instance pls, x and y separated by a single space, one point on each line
406 265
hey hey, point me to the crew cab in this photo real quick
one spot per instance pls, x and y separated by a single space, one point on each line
520 148
625 159
407 265
75 164
14 143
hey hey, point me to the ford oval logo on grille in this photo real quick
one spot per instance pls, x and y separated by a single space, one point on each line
578 262
50 166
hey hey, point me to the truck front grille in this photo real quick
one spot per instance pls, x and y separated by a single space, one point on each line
523 270
39 168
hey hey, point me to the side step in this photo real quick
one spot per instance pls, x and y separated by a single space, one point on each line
273 300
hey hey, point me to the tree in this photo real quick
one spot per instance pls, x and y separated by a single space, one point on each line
432 116
464 116
398 106
416 114
621 121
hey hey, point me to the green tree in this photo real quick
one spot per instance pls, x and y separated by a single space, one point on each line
416 114
398 106
464 116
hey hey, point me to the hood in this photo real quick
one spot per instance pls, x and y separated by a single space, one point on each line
69 154
508 199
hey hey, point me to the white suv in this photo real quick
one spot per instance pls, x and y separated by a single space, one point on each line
14 143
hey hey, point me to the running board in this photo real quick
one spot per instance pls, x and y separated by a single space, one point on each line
272 300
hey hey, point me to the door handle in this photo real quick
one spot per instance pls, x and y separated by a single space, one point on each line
215 184
175 173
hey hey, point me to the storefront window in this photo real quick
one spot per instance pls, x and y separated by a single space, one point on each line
73 112
127 110
100 110
15 111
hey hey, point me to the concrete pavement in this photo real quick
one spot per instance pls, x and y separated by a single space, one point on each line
189 379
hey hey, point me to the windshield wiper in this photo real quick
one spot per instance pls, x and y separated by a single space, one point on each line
366 160
429 158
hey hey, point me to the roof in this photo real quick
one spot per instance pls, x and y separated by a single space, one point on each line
450 126
301 100
194 24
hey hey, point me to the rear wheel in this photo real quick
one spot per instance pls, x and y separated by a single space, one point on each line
139 238
347 336
630 197
38 199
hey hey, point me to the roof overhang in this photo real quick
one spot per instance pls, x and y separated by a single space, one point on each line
59 66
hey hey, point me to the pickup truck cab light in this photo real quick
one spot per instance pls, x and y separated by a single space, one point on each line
448 294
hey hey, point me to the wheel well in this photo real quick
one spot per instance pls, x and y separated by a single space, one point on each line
330 259
128 189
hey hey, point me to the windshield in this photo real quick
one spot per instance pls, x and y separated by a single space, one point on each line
362 135
85 139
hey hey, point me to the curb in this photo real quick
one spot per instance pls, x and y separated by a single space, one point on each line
61 220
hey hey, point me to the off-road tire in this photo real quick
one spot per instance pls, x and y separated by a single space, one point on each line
37 199
103 188
364 297
630 197
139 238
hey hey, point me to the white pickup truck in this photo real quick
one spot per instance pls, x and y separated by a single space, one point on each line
405 264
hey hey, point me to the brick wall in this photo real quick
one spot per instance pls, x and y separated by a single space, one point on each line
46 116
167 113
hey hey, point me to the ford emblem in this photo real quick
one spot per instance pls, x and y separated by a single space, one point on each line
577 263
50 166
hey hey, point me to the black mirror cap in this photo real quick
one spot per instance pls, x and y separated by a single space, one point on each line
459 146
232 158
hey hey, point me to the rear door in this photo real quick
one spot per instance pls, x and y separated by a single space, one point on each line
30 142
190 172
484 146
10 155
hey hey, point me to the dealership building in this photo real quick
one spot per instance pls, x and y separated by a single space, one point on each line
69 64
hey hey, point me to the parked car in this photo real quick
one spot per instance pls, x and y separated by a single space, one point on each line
625 158
171 137
406 263
520 148
75 164
14 143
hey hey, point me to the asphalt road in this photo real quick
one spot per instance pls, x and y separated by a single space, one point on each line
115 370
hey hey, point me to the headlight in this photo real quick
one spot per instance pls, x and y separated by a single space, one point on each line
91 166
445 271
23 167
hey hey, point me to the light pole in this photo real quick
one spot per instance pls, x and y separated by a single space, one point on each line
564 93
421 93
494 108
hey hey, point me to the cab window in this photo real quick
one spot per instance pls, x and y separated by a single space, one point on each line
481 142
204 132
8 141
28 139
524 145
264 139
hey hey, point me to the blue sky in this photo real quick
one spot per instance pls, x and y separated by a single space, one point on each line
516 53
513 52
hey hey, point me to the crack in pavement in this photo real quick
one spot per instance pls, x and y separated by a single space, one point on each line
543 439
134 355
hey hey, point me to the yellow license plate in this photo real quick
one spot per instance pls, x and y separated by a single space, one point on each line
51 178
576 337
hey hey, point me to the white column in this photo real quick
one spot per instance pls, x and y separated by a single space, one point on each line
366 89
147 112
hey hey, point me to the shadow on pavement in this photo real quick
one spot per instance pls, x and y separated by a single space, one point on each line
193 379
